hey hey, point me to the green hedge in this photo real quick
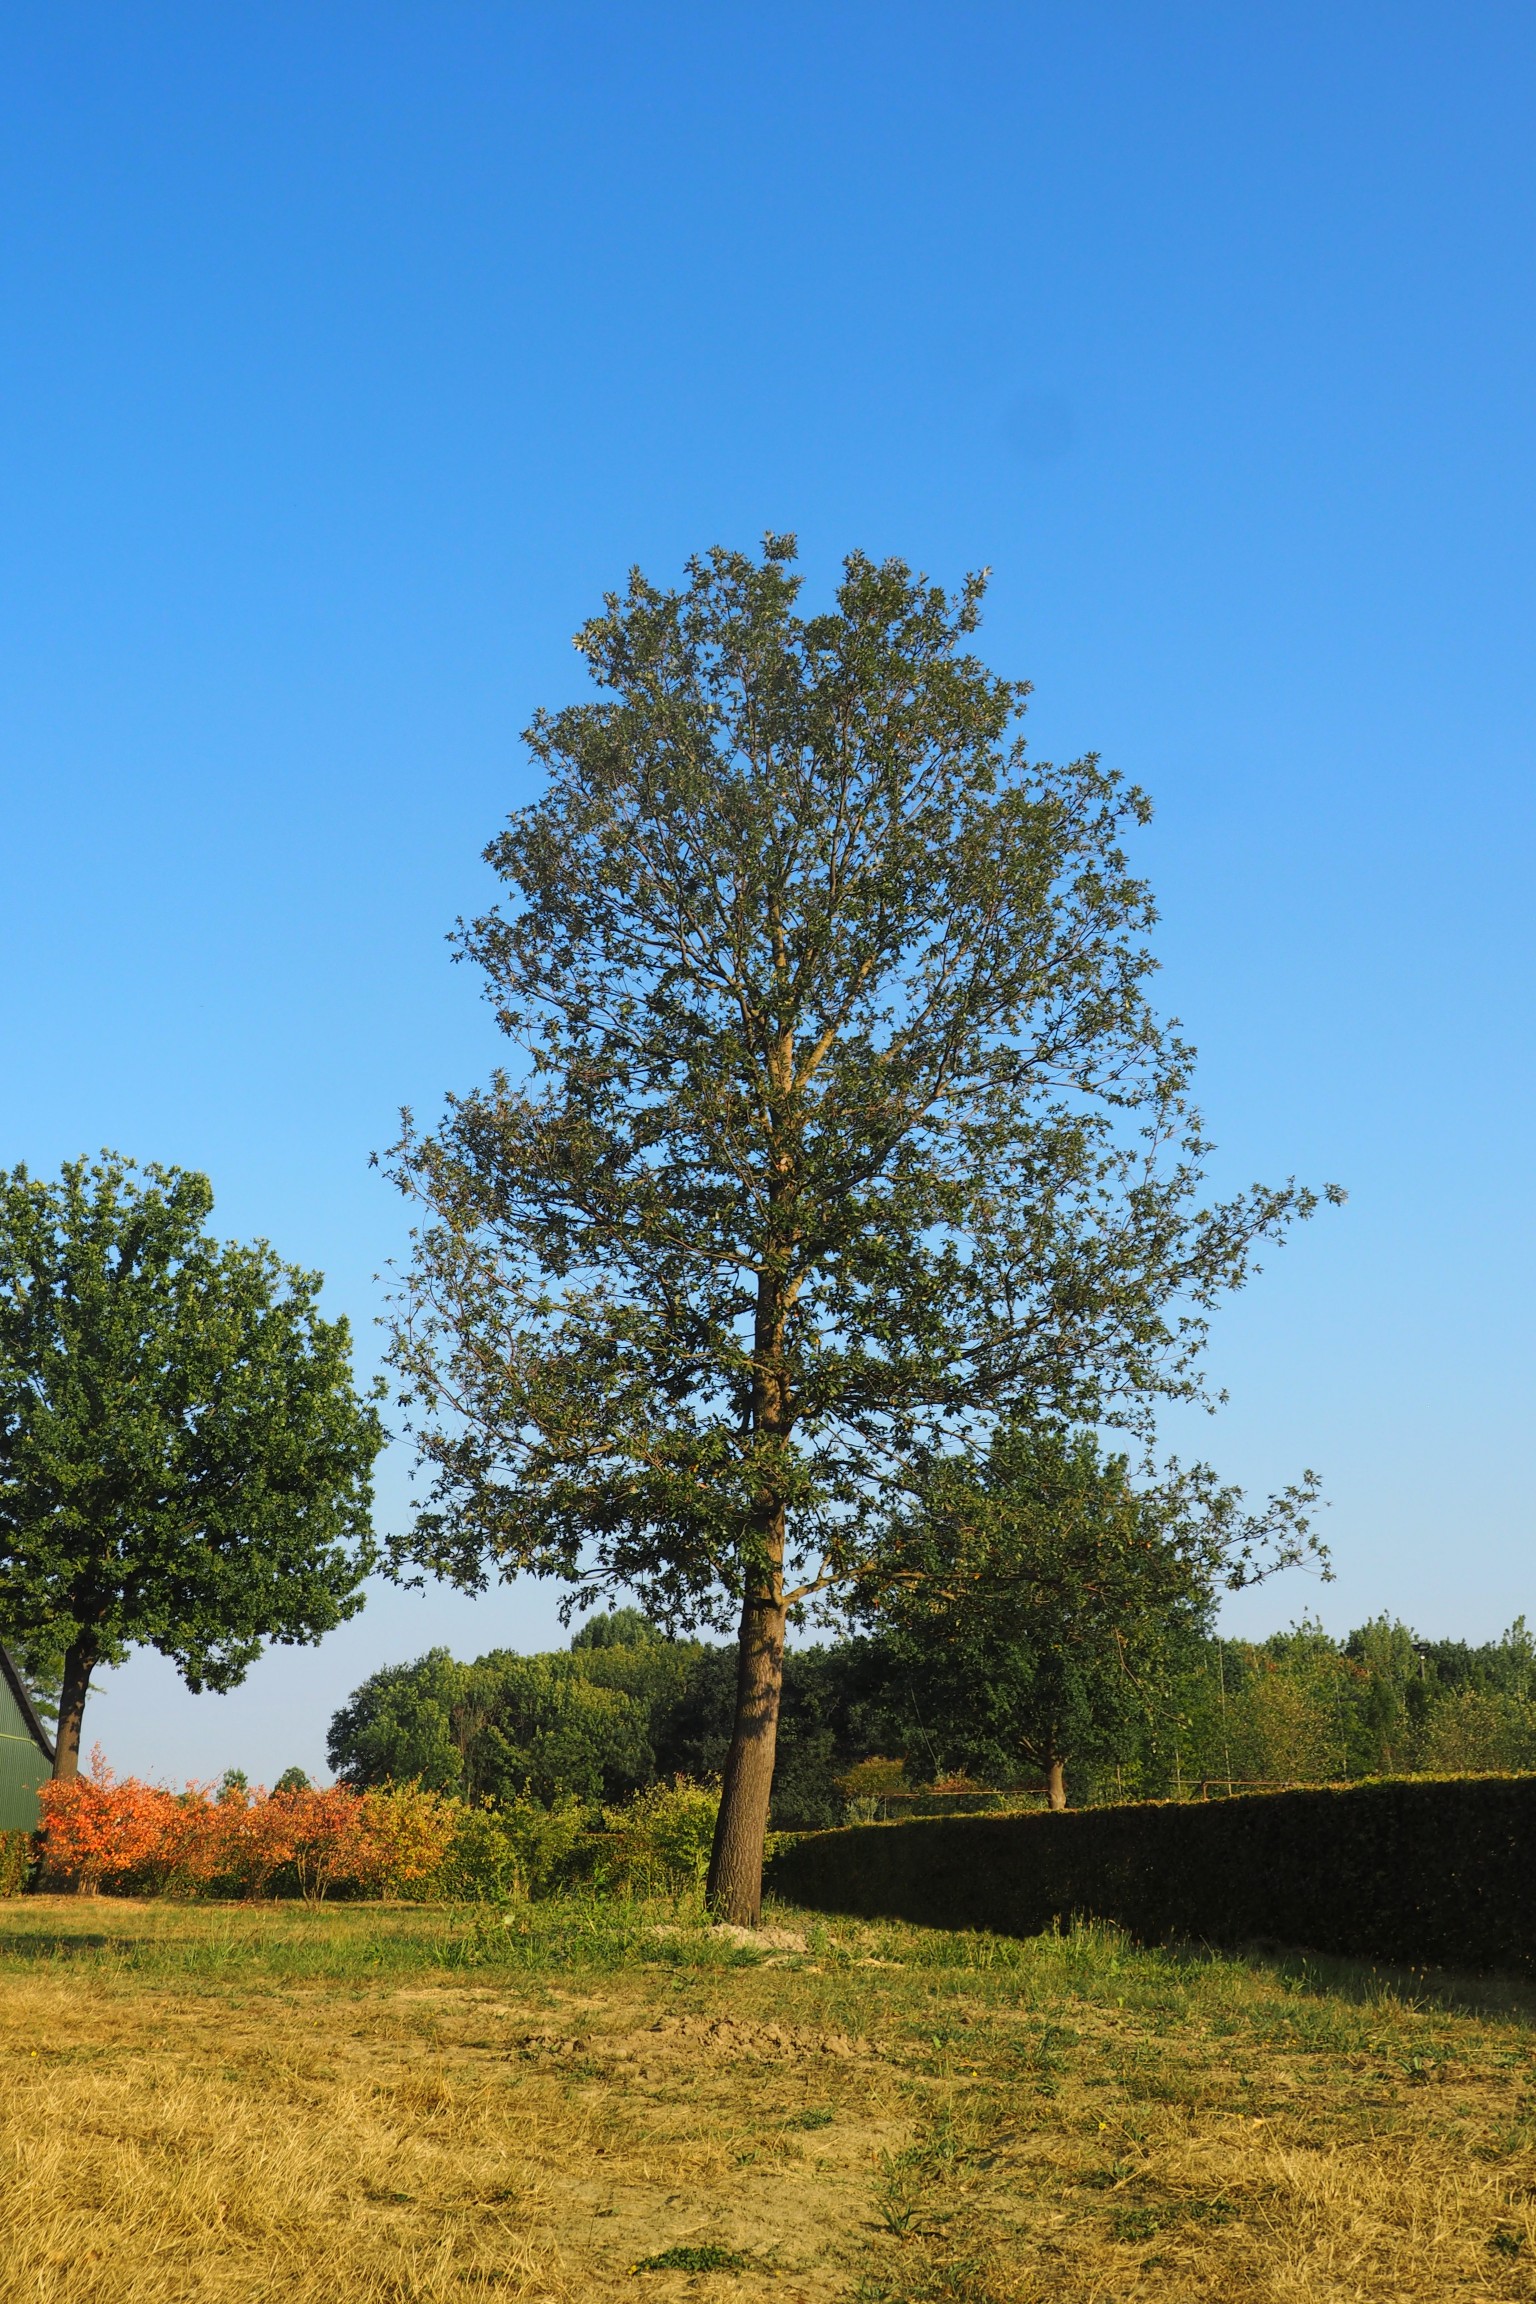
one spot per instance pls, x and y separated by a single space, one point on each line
1428 1871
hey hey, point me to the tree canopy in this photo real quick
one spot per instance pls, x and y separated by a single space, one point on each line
185 1462
844 1124
1040 1607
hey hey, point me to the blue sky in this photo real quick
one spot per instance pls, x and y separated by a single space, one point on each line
347 354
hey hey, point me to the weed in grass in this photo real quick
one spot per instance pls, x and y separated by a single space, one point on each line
706 2259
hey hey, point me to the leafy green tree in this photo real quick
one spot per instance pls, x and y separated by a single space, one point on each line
554 1731
184 1460
618 1628
1041 1607
499 1728
845 1124
408 1723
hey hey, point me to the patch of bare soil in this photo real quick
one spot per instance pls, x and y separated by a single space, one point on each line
748 1939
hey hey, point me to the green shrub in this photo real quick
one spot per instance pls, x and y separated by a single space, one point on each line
659 1842
1416 1871
520 1848
16 1855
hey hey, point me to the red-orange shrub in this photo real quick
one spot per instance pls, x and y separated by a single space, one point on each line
102 1832
99 1830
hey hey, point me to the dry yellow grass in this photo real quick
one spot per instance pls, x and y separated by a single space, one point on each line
364 2104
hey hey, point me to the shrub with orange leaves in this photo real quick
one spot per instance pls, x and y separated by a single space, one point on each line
104 1832
98 1829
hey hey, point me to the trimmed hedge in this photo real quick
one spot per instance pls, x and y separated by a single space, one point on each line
1421 1872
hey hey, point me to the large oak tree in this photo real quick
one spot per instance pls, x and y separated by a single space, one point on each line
842 1122
185 1462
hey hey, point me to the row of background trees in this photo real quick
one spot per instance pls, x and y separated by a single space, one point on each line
869 1727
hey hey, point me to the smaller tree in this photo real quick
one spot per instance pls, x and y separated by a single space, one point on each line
1034 1606
185 1462
410 1724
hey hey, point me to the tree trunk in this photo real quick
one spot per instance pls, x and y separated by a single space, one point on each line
79 1663
735 1887
1055 1781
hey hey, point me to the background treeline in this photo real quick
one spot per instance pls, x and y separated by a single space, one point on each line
862 1734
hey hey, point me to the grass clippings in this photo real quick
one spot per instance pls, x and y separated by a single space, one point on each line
387 2105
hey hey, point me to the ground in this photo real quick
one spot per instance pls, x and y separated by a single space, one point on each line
370 2103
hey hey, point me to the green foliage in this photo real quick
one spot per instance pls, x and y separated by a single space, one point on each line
663 1837
655 1843
597 1723
1430 1871
618 1628
1303 1708
503 1726
846 1120
554 1731
17 1855
406 1724
184 1462
522 1848
1035 1607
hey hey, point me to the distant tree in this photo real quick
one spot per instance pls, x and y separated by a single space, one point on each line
1039 1607
496 1729
184 1460
847 1125
408 1723
1467 1730
293 1780
555 1731
618 1628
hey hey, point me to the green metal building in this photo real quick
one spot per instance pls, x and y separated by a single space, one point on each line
26 1752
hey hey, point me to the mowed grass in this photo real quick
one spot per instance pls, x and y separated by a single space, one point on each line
573 2101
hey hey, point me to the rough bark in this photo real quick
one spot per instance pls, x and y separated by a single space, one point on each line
79 1663
1056 1781
735 1887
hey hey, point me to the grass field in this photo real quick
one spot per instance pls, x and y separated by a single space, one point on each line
221 2102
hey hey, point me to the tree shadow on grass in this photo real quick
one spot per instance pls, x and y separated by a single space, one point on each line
1325 1974
71 1944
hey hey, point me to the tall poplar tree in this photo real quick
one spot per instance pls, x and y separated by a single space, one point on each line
842 1124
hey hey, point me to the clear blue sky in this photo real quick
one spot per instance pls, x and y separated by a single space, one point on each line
347 354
